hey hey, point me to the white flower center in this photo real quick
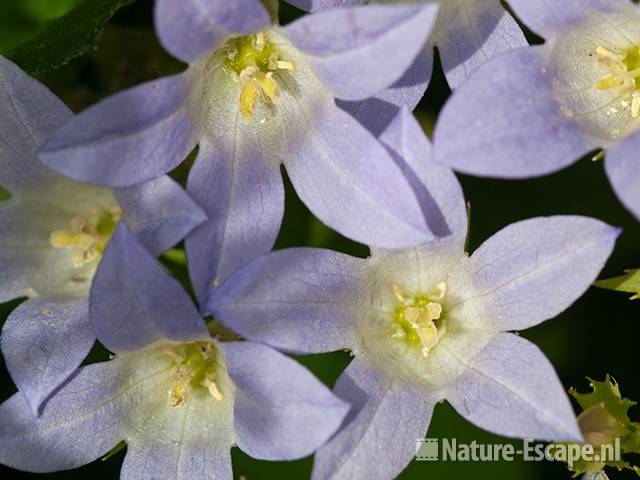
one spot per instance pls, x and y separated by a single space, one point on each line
419 321
595 69
255 63
88 237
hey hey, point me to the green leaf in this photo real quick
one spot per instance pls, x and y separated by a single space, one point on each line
605 420
67 37
630 283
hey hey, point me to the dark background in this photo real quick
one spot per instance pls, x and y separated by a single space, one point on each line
596 336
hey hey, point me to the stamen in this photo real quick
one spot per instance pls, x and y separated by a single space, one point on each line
417 319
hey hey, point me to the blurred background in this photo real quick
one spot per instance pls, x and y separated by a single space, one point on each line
597 335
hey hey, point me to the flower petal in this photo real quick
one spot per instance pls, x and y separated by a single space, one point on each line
241 189
522 131
153 458
378 437
549 17
624 172
511 389
354 51
134 136
377 112
189 29
160 213
350 182
317 5
469 33
438 190
300 300
80 423
282 412
31 266
29 113
43 343
533 270
134 302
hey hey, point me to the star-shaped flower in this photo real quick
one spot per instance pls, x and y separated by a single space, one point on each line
425 324
53 232
256 96
536 110
177 396
467 33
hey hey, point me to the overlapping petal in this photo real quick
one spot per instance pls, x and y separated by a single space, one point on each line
517 135
241 190
354 51
189 29
43 343
135 303
131 137
300 300
160 213
378 437
549 18
439 192
281 411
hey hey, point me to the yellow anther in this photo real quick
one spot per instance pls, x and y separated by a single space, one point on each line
635 105
610 81
256 84
179 394
214 391
69 238
418 319
397 291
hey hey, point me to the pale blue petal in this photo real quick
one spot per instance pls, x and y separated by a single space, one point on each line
378 437
29 114
354 51
134 302
533 270
281 412
160 213
189 29
436 186
300 300
242 192
506 122
551 17
79 424
511 389
351 183
623 170
131 137
43 342
470 33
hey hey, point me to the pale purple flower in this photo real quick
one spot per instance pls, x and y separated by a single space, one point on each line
52 234
467 33
536 110
179 398
256 96
425 324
